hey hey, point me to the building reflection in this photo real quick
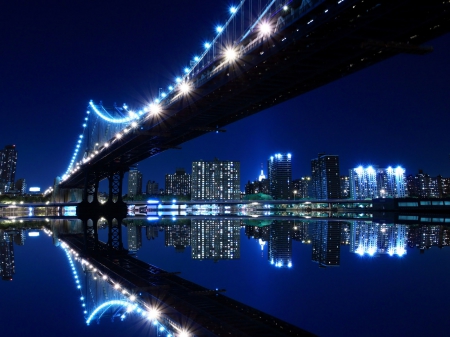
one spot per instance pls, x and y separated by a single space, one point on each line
326 249
178 235
217 239
280 243
7 263
374 238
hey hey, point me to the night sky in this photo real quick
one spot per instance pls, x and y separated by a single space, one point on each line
56 56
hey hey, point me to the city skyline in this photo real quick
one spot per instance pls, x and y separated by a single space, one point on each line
399 104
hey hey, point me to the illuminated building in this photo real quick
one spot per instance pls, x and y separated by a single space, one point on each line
280 244
345 187
325 177
326 249
21 186
301 187
134 182
215 180
422 185
152 188
8 163
215 239
280 176
373 182
178 183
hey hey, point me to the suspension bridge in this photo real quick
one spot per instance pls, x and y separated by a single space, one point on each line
265 53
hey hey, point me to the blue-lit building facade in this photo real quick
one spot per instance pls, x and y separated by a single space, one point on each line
280 176
373 182
280 244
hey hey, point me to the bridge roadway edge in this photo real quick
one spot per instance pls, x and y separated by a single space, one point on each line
207 312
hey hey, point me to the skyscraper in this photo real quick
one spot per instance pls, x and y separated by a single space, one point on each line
215 180
325 176
134 182
374 182
280 176
8 162
178 183
326 248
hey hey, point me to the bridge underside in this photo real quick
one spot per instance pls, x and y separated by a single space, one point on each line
323 44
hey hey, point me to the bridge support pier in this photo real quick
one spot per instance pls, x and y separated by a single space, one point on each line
114 210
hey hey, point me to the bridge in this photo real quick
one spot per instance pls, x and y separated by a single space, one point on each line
262 56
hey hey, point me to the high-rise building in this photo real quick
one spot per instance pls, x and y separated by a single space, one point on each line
178 183
8 163
134 237
215 180
21 186
280 176
301 187
422 185
134 182
325 177
345 187
373 182
152 188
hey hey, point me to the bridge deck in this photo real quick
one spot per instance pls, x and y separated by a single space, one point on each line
207 312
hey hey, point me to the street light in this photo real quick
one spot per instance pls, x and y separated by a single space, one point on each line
295 192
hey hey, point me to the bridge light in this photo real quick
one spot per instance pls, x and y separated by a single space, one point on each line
219 29
105 145
118 135
163 94
207 45
265 28
153 314
196 58
170 87
186 70
233 9
154 108
183 333
134 124
285 7
178 79
230 54
185 88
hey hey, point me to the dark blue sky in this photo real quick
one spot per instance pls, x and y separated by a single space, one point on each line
56 57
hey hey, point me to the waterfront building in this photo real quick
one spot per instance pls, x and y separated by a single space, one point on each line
373 182
325 177
345 187
134 182
280 176
301 187
422 185
178 183
8 163
21 186
152 188
215 180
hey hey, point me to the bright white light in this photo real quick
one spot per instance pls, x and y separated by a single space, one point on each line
183 334
153 314
265 28
219 29
33 234
163 94
285 8
185 88
196 58
155 108
233 10
178 79
170 88
186 70
119 135
230 54
207 45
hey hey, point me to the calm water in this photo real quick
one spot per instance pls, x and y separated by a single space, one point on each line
355 278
